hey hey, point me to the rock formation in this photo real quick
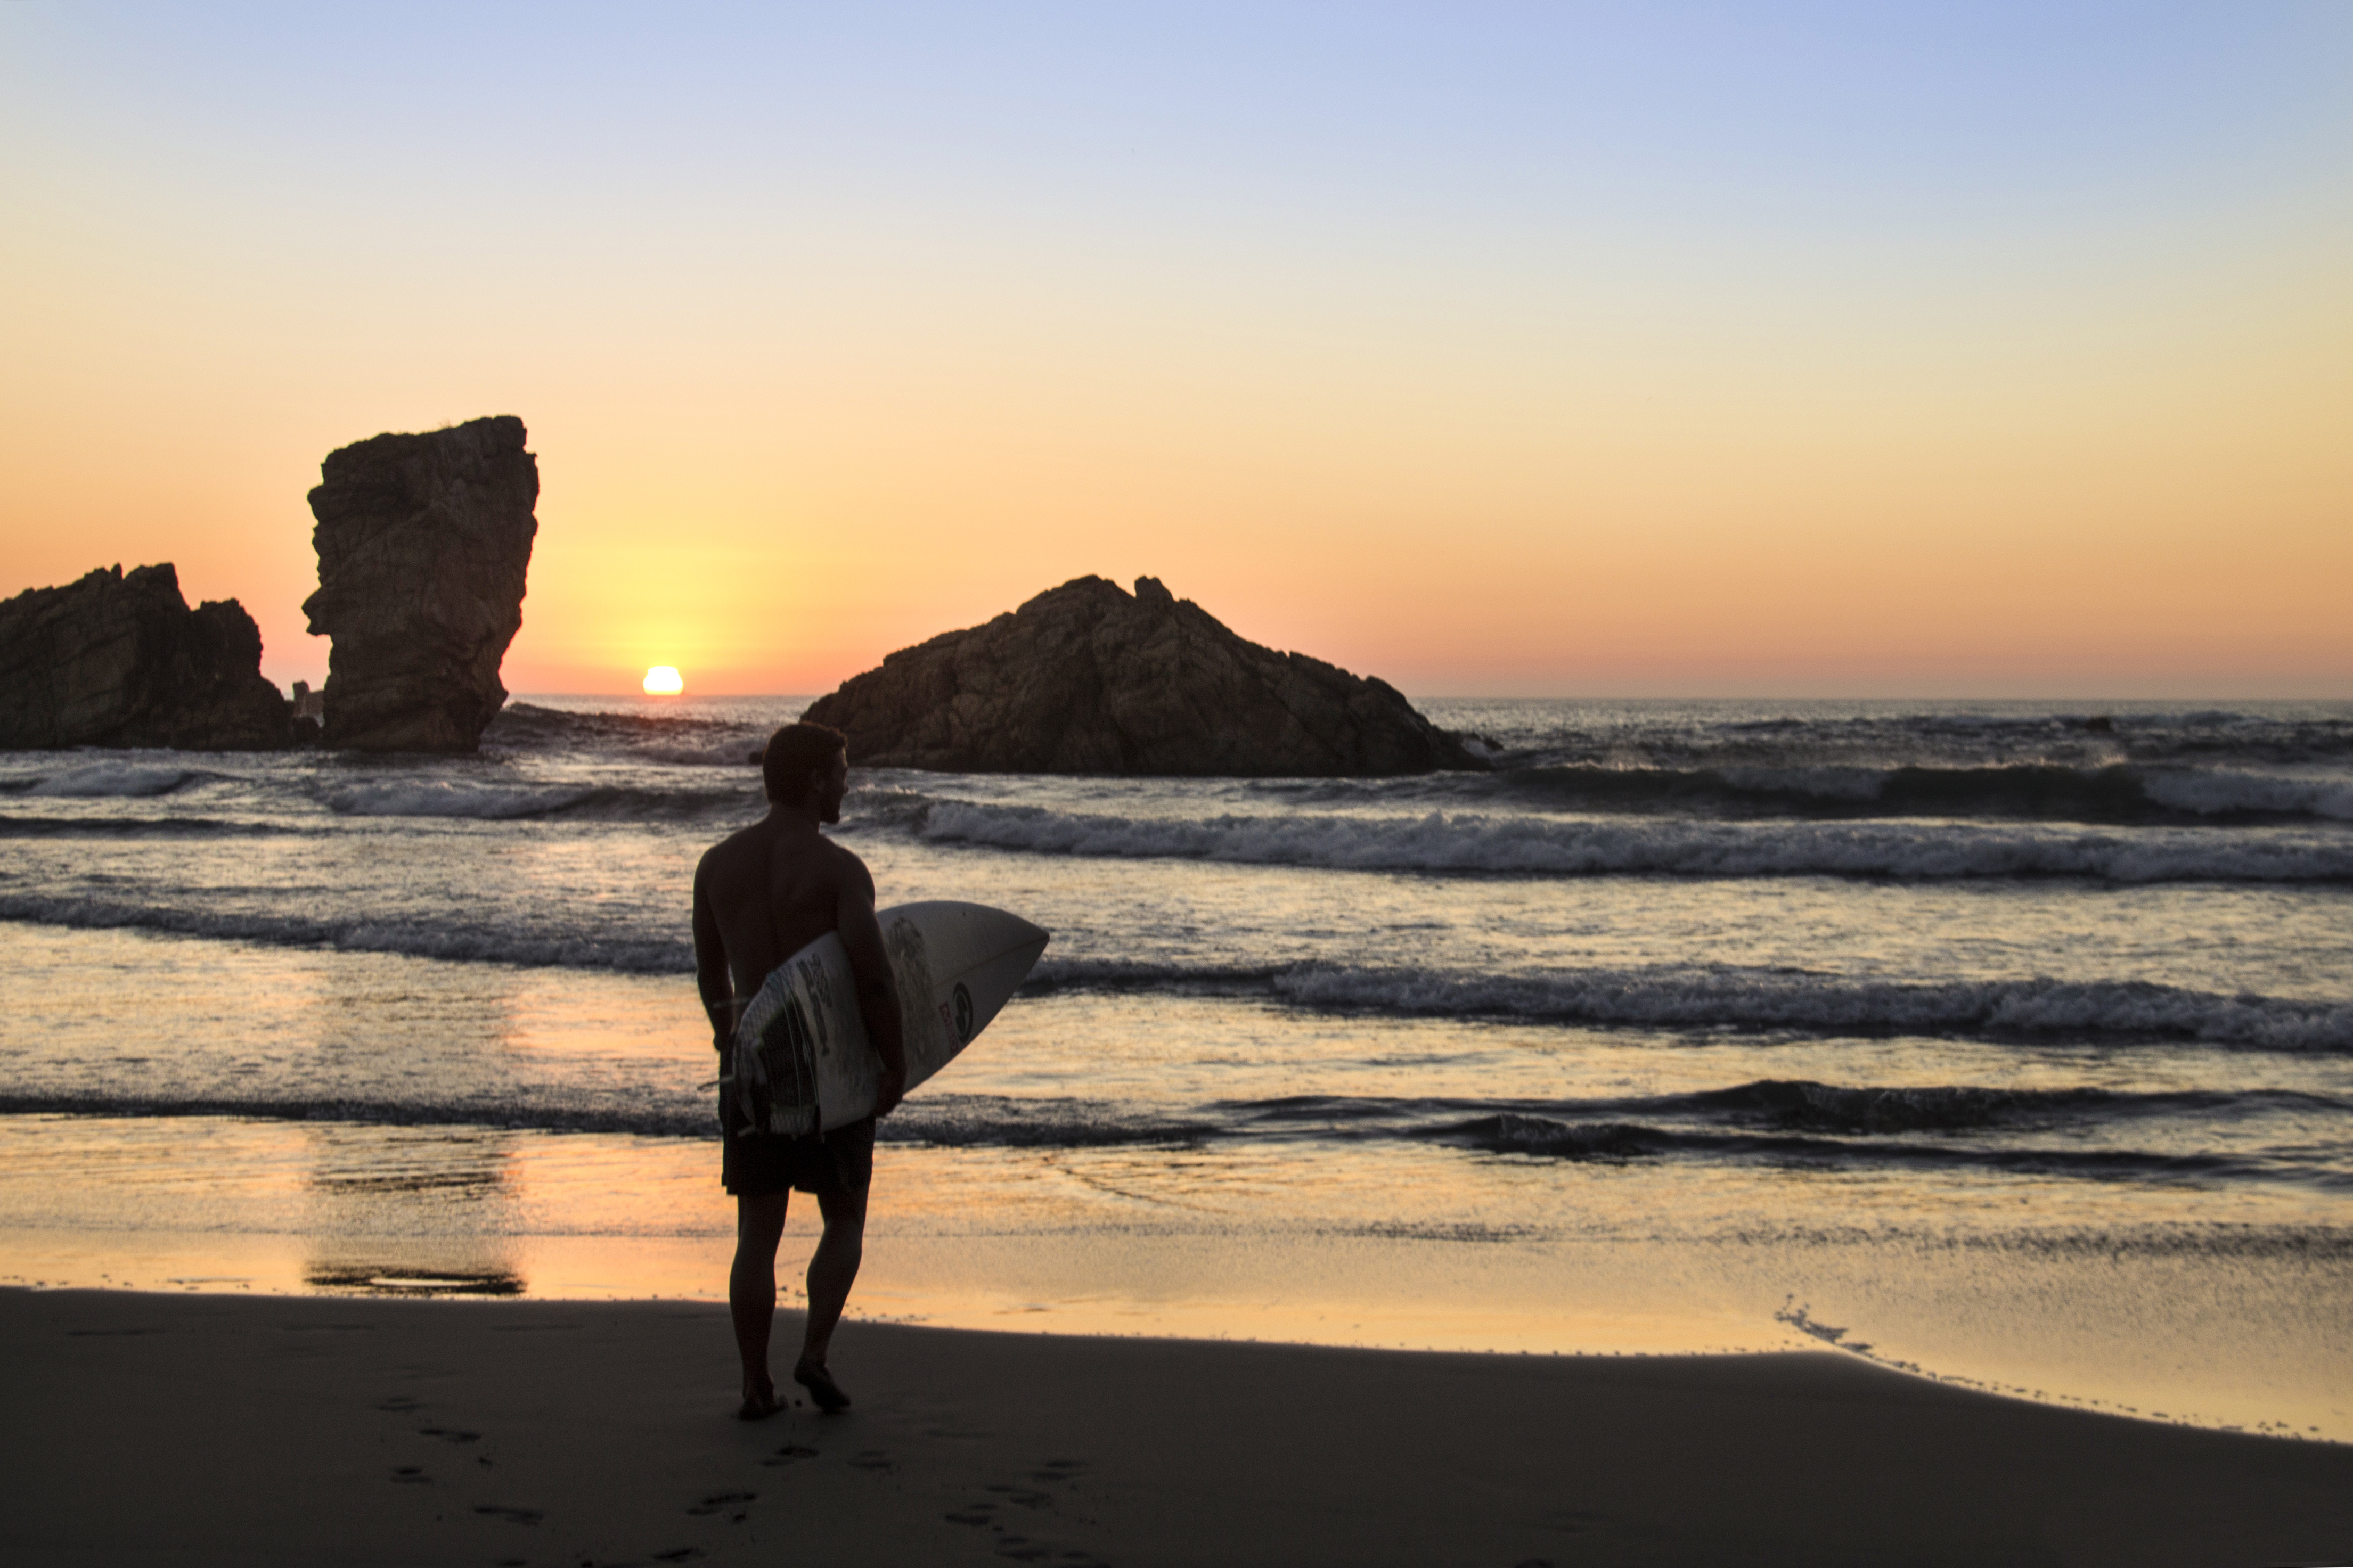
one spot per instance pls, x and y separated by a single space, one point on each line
423 544
119 659
1085 680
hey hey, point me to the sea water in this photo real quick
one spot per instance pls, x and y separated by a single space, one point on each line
2009 1043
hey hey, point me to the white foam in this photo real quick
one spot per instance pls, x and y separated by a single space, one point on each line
1618 847
112 779
2210 792
449 797
444 938
1675 997
1689 998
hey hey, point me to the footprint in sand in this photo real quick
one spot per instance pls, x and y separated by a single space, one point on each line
871 1459
1050 1471
399 1403
1025 1550
1020 1548
680 1554
512 1515
448 1434
790 1454
411 1475
721 1502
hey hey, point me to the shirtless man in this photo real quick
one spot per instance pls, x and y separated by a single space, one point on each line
761 896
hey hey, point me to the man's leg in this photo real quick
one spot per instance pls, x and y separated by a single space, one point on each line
833 1268
752 1293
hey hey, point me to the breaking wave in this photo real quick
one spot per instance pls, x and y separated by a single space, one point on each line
111 779
2116 793
1663 997
517 802
1686 999
449 935
645 737
1525 845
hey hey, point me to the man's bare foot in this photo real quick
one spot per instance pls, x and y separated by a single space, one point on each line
822 1388
760 1401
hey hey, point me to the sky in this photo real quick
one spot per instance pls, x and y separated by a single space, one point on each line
1956 350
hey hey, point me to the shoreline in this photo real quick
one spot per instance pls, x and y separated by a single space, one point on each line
188 1427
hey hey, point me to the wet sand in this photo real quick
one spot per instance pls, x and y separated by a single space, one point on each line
153 1428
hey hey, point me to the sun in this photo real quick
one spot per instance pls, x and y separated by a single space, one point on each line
662 680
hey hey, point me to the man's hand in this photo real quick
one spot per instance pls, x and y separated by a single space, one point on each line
890 1088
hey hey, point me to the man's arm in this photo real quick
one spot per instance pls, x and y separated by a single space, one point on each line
878 991
711 973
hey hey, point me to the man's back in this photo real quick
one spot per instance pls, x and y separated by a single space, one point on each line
769 893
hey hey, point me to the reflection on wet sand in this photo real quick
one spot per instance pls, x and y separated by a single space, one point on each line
413 1211
363 1280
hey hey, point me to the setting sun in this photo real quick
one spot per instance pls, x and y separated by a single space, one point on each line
662 680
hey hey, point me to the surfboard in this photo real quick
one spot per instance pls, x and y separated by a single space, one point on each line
801 1060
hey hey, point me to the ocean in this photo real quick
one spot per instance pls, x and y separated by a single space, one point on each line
2007 1043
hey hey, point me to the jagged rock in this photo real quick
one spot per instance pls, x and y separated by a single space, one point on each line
423 541
119 659
309 714
1084 678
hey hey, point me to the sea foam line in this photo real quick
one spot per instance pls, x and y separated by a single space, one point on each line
946 1121
1675 997
2037 791
453 940
1615 1140
985 1122
1462 843
1664 996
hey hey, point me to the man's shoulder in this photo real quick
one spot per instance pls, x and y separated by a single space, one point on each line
734 847
842 862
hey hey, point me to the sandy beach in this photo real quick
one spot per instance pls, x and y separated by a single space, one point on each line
153 1428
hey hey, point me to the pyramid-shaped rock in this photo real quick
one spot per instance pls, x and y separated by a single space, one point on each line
1087 678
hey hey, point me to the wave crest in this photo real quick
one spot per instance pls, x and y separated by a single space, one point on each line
1682 998
1462 843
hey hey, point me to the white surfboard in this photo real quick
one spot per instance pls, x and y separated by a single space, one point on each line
802 1061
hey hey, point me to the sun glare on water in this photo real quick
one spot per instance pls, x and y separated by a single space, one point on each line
662 680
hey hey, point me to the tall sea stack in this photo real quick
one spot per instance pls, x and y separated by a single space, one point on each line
424 543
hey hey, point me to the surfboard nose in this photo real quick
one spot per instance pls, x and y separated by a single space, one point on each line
962 934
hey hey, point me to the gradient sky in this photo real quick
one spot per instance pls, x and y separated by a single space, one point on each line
1972 351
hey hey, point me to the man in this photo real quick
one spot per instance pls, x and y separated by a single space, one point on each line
761 896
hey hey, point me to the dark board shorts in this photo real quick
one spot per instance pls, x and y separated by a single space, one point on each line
754 1165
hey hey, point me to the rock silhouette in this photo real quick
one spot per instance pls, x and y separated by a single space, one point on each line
424 543
1085 678
119 659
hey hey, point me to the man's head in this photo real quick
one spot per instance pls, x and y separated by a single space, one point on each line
808 765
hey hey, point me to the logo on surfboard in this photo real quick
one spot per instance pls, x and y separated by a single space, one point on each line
963 1014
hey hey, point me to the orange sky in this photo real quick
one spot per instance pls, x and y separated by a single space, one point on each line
1866 398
